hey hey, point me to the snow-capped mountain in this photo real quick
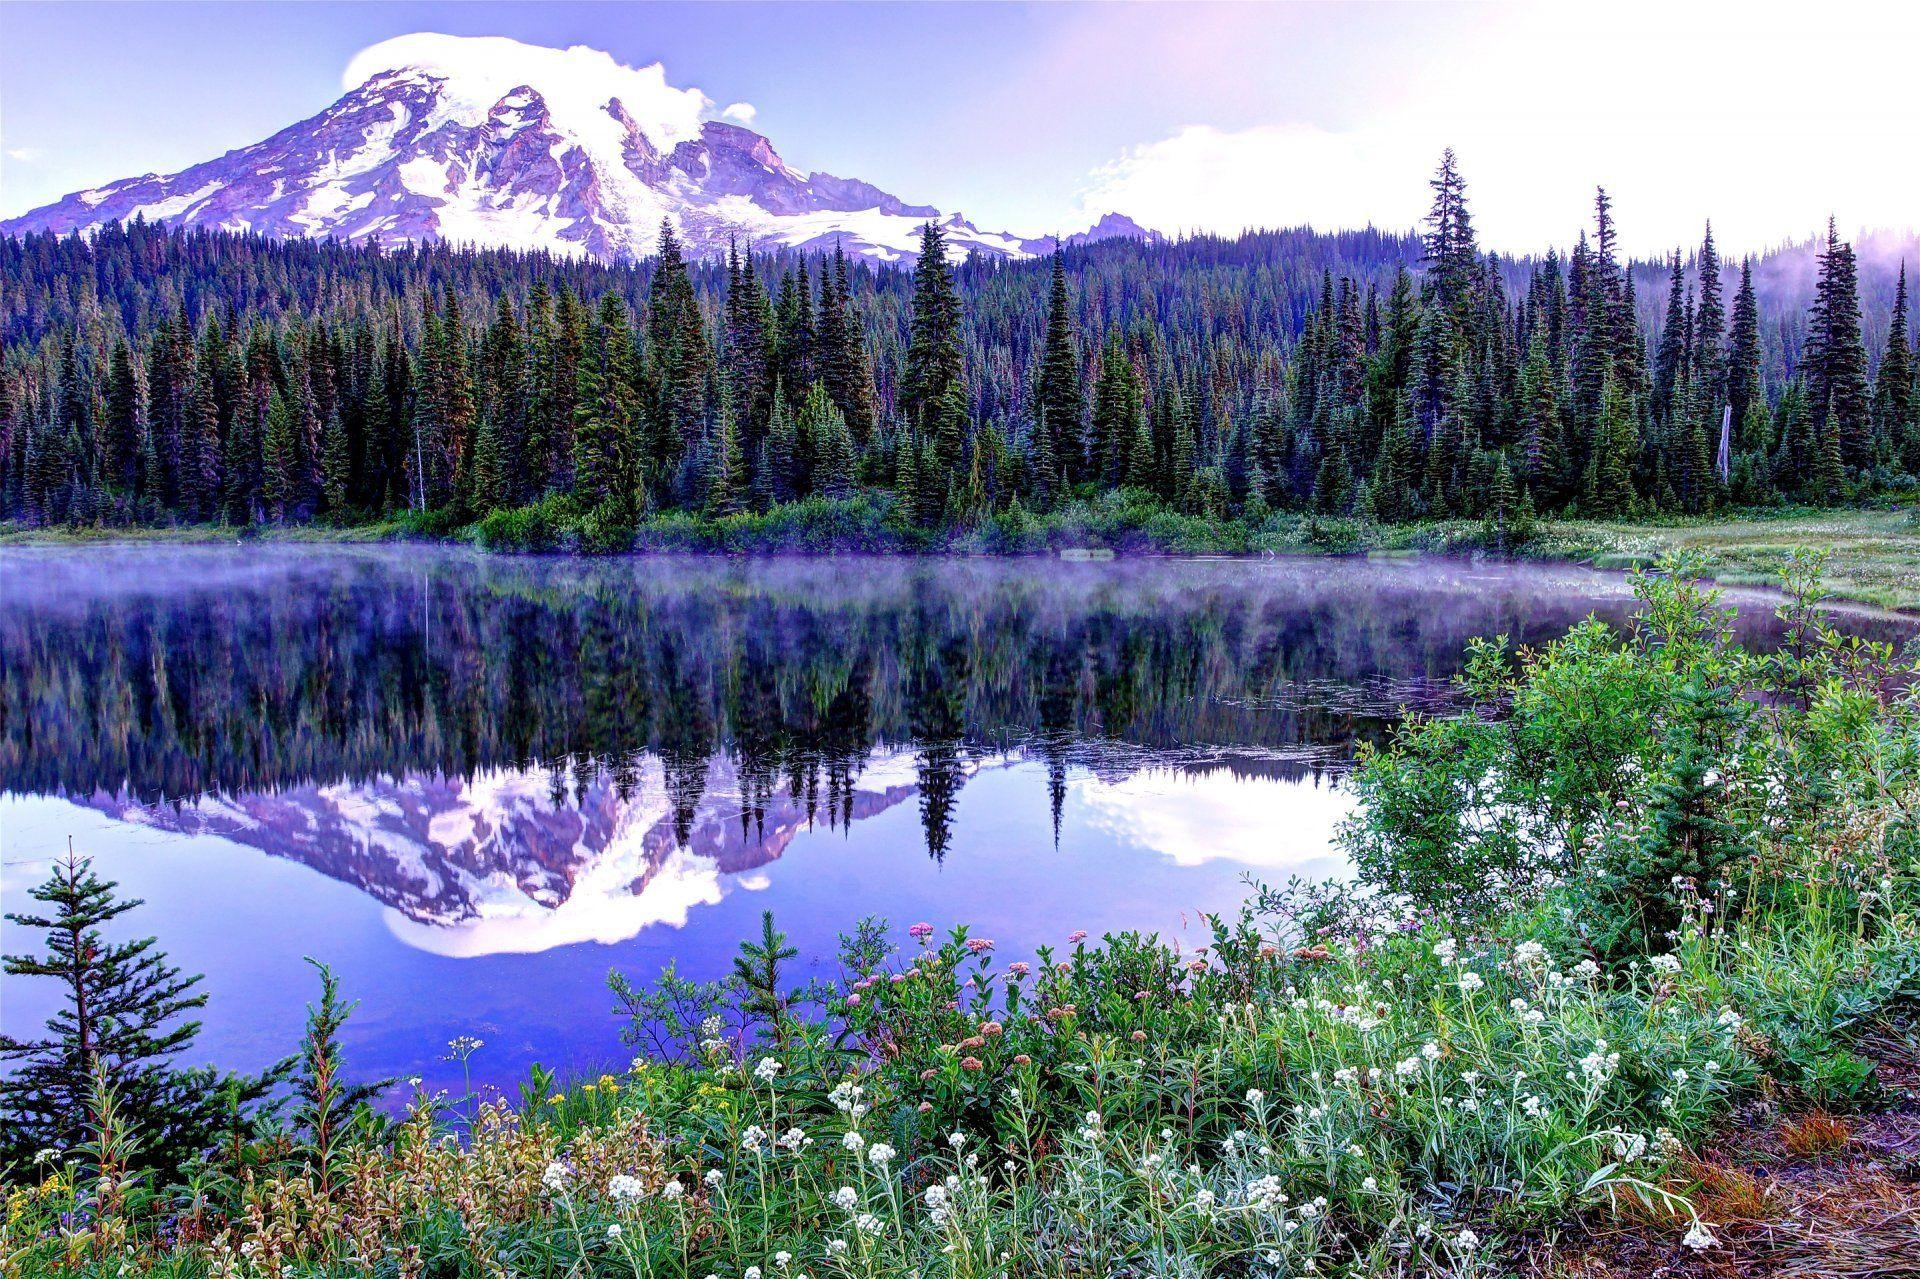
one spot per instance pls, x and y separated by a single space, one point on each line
486 141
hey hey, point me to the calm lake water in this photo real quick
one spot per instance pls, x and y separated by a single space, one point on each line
475 785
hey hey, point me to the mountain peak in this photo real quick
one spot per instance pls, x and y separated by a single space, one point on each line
579 84
486 141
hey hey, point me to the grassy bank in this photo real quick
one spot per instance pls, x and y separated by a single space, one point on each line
1669 882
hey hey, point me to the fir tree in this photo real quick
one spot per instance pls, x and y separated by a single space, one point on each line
123 1013
1836 355
933 362
1894 381
1060 404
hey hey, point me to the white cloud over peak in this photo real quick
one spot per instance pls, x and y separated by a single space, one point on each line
577 82
741 113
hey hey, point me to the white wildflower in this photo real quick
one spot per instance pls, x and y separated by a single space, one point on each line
1699 1238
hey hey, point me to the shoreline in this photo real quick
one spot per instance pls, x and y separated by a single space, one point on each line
1874 555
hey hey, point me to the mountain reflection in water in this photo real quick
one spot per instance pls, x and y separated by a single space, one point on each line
512 757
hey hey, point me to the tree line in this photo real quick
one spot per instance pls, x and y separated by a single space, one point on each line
201 377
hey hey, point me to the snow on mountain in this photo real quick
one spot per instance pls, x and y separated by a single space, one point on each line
490 142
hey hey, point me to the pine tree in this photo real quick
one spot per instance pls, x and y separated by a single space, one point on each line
680 358
606 426
826 426
123 1013
1451 254
933 348
1743 348
726 477
1709 326
336 466
126 421
1894 382
1059 400
1836 354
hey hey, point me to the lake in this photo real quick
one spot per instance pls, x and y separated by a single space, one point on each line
475 785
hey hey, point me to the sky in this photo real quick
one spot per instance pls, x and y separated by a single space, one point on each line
1036 118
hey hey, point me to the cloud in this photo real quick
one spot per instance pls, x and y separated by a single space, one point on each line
577 82
24 155
1207 179
1195 818
1766 126
741 113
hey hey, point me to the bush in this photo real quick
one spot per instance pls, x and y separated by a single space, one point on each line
552 524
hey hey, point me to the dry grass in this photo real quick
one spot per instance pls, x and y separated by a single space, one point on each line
1814 1134
1813 1196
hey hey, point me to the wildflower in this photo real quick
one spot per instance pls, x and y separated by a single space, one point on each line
1265 1192
794 1139
1699 1238
853 1001
1407 1067
1077 936
1445 951
1471 981
1203 1199
782 1258
1255 1096
555 1177
613 1232
1019 968
1021 1059
979 945
846 1198
1629 1146
413 1081
1430 1050
1728 1020
1528 954
1369 1185
1466 1241
835 1247
672 1190
867 1224
853 1141
971 1063
751 1272
1599 1065
956 1139
625 1189
767 1069
754 1139
1586 970
920 932
881 1154
1666 963
714 1177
